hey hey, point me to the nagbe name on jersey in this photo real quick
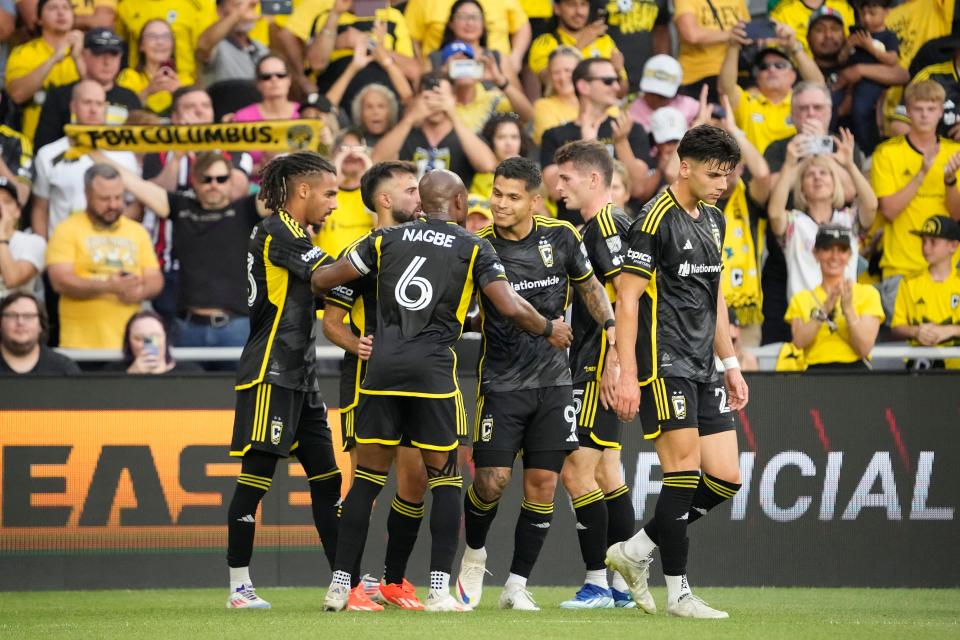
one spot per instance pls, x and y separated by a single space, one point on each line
430 236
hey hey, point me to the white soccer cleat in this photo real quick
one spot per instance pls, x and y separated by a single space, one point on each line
635 573
372 588
336 598
470 578
442 601
245 597
690 606
517 598
590 596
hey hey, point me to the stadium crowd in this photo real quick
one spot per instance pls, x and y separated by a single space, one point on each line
847 115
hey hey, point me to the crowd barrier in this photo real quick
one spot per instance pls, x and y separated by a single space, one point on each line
122 482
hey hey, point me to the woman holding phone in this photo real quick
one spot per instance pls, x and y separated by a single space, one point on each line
155 77
146 349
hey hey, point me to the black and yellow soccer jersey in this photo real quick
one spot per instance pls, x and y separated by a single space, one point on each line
426 274
921 299
947 76
541 268
280 349
681 256
604 238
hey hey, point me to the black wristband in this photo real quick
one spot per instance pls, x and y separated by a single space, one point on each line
548 329
950 183
609 323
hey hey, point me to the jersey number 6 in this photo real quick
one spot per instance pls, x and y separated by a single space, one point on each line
411 279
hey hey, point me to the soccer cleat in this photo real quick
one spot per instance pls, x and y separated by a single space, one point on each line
517 598
360 601
470 580
336 598
623 599
372 586
590 596
245 597
442 601
690 606
402 595
635 572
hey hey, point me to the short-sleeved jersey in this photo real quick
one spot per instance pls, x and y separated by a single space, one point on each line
426 274
544 45
23 60
701 61
922 299
796 15
604 238
832 342
762 120
280 349
681 255
541 268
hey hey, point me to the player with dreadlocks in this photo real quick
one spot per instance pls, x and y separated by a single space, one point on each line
279 409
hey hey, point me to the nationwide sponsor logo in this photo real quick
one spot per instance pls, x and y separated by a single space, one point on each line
525 285
686 269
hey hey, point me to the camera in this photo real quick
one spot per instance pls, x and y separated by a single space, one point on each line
465 69
820 145
276 7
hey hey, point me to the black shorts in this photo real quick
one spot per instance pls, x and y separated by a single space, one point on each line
277 420
679 403
597 428
426 423
528 420
348 421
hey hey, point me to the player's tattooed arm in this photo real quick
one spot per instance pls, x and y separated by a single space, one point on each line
595 298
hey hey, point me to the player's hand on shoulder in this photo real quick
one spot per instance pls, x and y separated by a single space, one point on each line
562 334
738 394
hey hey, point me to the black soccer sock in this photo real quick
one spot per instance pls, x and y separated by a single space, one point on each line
591 512
621 519
403 523
444 522
532 527
477 518
355 520
711 492
256 475
671 518
325 501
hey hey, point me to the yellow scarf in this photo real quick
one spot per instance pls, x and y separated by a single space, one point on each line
741 276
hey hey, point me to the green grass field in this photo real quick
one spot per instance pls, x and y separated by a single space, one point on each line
192 614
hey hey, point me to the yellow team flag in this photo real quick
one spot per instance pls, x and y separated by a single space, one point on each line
270 135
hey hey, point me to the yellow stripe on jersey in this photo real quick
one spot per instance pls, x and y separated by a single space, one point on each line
605 219
265 415
376 244
292 225
656 214
651 291
553 222
477 419
461 416
466 296
277 281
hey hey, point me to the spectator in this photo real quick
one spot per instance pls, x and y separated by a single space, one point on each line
212 233
826 37
560 104
101 62
154 77
836 323
475 104
16 160
575 25
351 219
764 113
946 75
703 27
375 111
667 126
662 77
620 189
21 254
818 200
146 348
58 190
927 311
363 56
640 30
748 361
914 177
225 50
23 328
596 83
479 215
468 25
8 22
505 135
799 16
432 135
318 107
51 60
88 14
103 266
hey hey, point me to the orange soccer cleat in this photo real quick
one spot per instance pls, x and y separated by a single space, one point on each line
402 595
360 601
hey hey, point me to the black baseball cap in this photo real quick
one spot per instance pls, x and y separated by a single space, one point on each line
939 227
9 187
317 101
102 40
830 235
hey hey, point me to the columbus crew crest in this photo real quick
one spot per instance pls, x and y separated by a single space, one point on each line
955 301
486 429
276 430
546 253
716 234
679 406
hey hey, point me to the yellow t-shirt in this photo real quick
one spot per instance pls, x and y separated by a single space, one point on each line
832 346
485 103
921 299
895 162
137 81
305 12
397 38
98 323
551 112
26 58
699 61
543 46
537 8
83 8
796 15
349 221
762 120
187 18
427 20
261 30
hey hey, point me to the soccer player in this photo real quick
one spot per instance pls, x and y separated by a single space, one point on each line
279 409
525 402
592 475
671 320
389 189
426 273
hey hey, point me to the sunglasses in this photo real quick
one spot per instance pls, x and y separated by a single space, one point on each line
270 76
609 80
217 179
763 66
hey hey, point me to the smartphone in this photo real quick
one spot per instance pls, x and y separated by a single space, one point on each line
762 29
858 28
718 113
276 7
465 69
151 346
820 146
598 10
169 64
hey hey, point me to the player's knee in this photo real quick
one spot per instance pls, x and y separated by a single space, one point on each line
489 483
539 485
577 481
731 476
609 474
411 482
